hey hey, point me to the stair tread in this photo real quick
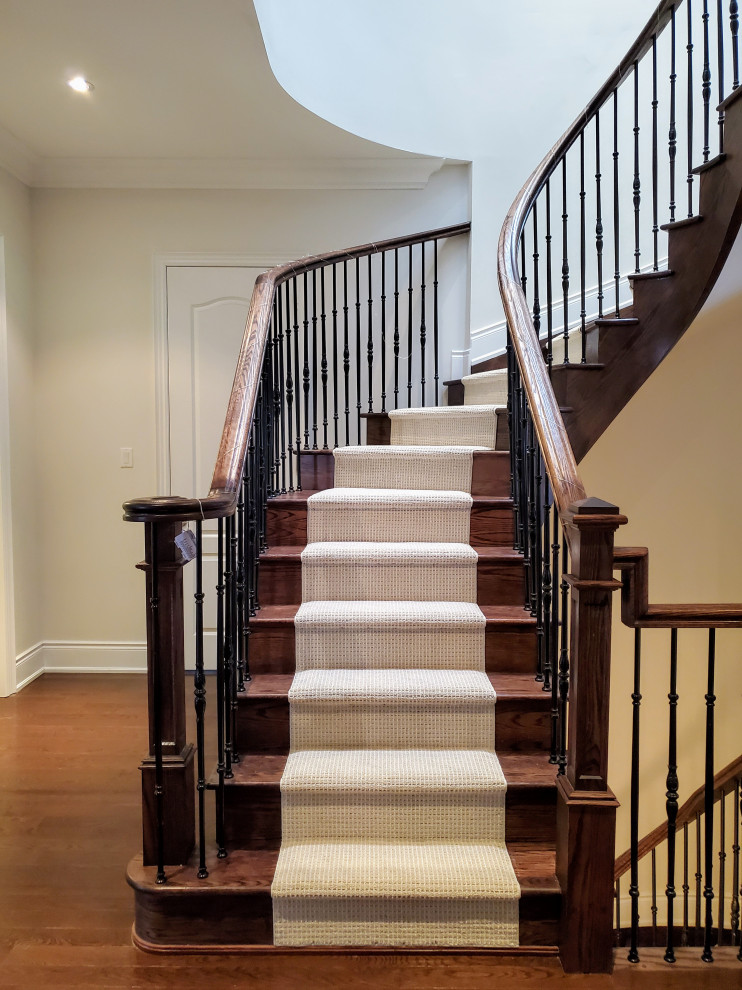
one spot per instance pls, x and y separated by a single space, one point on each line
377 687
508 686
494 615
299 499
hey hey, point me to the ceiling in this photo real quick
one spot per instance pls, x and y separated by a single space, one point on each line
184 96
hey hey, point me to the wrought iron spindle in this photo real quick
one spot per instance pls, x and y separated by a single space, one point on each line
583 314
565 263
220 704
686 887
617 898
370 340
423 329
435 318
199 700
708 803
634 884
323 356
556 636
233 677
654 896
527 429
655 165
383 331
734 910
358 349
689 104
672 794
241 633
228 651
346 353
734 30
598 217
722 868
706 83
289 388
335 413
699 879
409 329
672 135
523 269
295 284
536 556
616 213
549 287
305 368
252 525
720 70
546 587
637 185
396 328
314 360
536 308
280 396
563 663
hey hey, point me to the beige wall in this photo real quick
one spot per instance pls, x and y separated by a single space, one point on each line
94 252
15 228
671 461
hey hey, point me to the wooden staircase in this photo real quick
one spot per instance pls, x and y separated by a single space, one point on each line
233 906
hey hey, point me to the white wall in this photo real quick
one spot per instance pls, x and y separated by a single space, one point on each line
94 254
19 462
491 82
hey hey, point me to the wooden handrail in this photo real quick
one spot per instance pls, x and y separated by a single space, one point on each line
222 497
723 784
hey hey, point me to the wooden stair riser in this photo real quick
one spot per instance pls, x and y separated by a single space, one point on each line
379 430
252 814
490 472
262 723
510 648
491 524
498 582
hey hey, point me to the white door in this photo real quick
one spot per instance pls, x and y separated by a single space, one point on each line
206 313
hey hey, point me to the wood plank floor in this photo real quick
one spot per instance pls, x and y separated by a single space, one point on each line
69 822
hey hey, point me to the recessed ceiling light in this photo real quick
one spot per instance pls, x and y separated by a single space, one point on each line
80 85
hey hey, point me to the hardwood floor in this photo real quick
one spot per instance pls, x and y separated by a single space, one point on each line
70 746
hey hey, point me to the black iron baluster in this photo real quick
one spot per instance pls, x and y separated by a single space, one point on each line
617 898
159 788
706 83
536 308
396 327
686 887
289 390
523 269
672 794
549 287
233 676
655 175
323 356
220 766
358 348
314 359
199 700
672 136
636 186
305 369
228 652
598 217
409 330
252 524
370 340
528 484
734 29
583 314
536 561
563 663
565 263
654 896
335 414
435 318
546 588
279 398
296 383
698 879
634 885
616 212
346 353
423 330
689 50
722 868
556 637
383 331
708 886
241 633
734 911
720 70
513 424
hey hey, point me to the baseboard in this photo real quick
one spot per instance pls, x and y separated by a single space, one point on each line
80 657
29 665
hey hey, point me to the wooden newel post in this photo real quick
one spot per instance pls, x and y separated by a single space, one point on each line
166 704
586 807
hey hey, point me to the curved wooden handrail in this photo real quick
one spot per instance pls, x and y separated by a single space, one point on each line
723 784
222 497
558 455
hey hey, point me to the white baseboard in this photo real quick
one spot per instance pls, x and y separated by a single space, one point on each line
460 364
80 657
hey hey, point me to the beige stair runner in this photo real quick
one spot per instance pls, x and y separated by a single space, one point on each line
393 800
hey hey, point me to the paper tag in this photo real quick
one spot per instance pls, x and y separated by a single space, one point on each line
186 543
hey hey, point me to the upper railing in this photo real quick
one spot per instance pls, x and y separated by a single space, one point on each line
593 221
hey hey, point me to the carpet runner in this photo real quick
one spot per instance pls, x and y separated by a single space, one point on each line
393 800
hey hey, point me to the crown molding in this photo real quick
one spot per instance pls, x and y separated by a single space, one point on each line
247 173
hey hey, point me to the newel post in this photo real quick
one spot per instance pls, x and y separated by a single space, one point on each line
586 806
167 771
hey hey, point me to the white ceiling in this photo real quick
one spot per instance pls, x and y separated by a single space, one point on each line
184 95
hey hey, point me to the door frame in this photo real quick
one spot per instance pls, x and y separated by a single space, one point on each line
162 355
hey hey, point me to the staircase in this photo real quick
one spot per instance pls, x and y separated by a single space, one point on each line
386 491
